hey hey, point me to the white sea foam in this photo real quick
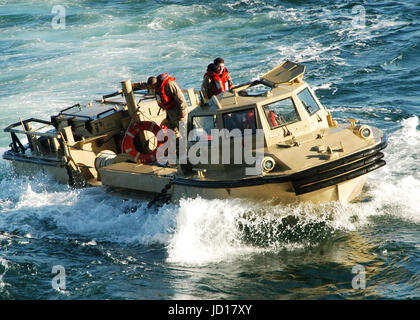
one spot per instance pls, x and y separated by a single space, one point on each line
307 51
5 265
206 232
211 231
322 86
157 24
89 213
374 27
396 187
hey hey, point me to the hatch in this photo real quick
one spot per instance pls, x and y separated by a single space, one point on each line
288 71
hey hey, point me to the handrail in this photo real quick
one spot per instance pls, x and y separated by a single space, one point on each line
75 115
11 127
75 105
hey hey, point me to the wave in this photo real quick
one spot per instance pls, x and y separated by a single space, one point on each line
223 230
396 187
4 267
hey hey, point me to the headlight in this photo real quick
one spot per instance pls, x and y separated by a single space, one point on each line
365 132
268 164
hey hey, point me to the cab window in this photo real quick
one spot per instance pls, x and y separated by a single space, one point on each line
203 126
281 112
244 119
308 101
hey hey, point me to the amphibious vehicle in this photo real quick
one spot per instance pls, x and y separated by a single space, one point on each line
268 139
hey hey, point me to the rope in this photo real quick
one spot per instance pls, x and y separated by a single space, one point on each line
76 148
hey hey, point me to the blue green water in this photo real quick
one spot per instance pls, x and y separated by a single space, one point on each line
364 67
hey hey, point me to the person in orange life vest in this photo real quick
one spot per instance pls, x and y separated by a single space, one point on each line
250 120
169 97
271 117
216 79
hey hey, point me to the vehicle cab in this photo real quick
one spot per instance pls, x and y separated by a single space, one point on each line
280 104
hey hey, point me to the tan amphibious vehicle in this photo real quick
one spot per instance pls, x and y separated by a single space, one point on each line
269 139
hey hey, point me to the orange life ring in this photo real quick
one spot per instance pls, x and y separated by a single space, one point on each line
128 141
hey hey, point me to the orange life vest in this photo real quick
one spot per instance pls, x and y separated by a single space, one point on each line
273 120
219 83
164 101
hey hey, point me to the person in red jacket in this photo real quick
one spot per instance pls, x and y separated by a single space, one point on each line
169 97
216 79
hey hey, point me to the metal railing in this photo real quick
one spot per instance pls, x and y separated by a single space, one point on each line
40 142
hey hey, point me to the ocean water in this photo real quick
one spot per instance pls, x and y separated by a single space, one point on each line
362 58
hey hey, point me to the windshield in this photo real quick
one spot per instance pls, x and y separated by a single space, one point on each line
281 112
308 101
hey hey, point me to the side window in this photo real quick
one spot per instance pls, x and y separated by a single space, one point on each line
203 126
281 112
308 101
244 119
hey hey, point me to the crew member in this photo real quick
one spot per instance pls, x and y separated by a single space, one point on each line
216 79
169 97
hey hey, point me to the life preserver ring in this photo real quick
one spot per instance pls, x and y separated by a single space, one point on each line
128 141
